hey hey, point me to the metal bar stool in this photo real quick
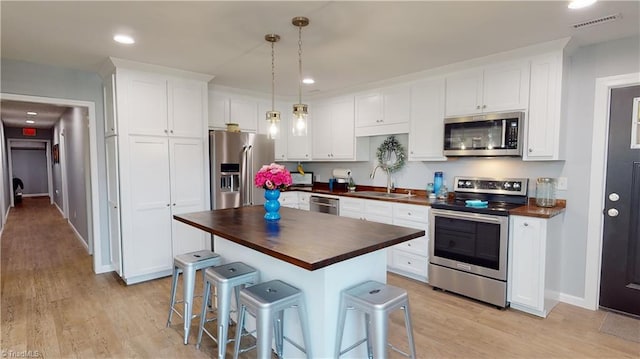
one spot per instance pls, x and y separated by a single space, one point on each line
376 301
225 278
267 302
188 264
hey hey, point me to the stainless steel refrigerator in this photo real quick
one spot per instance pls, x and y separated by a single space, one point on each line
235 158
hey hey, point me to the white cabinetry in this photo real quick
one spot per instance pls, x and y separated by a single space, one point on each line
534 263
303 200
411 258
547 118
333 132
289 199
502 87
383 112
299 147
155 167
426 135
229 107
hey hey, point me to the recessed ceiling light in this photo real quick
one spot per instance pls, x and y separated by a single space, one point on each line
31 113
31 121
579 4
124 39
308 81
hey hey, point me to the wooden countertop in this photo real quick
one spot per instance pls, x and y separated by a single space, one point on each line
306 239
529 210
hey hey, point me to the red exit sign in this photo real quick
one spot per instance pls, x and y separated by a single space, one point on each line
28 131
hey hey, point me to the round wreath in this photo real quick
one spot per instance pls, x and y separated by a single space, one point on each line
389 147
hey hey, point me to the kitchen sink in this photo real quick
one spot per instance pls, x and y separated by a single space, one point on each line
375 194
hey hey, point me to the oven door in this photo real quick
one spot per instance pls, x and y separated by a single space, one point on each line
470 242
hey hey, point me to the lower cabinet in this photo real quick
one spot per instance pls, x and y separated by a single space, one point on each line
289 199
159 177
534 263
411 258
408 258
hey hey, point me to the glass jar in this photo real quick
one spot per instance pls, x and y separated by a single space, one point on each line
437 182
545 192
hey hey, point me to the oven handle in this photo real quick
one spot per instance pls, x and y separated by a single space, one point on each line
468 216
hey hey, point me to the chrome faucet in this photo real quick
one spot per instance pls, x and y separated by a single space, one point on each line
389 183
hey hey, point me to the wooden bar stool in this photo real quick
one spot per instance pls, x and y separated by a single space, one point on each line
188 264
233 276
267 302
376 300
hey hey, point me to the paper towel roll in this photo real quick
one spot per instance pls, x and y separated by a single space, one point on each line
341 173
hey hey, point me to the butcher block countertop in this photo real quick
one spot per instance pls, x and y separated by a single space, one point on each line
308 240
420 198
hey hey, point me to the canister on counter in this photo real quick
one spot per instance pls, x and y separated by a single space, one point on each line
437 182
545 192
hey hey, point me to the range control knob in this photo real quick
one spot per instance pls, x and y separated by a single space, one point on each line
506 185
468 183
516 185
461 184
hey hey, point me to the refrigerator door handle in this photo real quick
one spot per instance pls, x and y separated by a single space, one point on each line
244 180
249 162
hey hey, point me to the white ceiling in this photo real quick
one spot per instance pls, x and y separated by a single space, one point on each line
14 114
346 44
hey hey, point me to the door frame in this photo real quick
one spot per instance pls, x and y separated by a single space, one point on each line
47 152
599 152
94 242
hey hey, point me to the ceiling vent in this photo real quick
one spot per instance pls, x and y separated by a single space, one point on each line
597 21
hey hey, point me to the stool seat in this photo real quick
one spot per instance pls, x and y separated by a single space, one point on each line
225 278
376 300
188 264
267 302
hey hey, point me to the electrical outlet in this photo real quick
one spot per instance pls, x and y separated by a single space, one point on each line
562 183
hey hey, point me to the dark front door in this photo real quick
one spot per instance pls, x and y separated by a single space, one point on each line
620 275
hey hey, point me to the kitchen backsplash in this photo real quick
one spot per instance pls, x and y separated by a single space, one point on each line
416 175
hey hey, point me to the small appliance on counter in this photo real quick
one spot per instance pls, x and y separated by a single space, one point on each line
301 181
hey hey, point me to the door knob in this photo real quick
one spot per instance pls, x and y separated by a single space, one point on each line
613 212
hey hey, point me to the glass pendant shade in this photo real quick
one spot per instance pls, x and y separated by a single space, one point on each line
273 117
300 120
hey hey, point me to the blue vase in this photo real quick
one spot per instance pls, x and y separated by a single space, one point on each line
272 205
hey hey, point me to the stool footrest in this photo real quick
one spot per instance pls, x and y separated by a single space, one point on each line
399 351
353 346
300 348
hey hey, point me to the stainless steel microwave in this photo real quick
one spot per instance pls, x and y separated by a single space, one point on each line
495 134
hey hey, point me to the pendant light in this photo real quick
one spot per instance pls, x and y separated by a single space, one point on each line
273 116
300 121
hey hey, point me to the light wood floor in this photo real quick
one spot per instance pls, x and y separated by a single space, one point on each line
54 306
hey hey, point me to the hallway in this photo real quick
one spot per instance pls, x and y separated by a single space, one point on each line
54 306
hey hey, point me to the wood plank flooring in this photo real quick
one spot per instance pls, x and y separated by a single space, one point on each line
53 306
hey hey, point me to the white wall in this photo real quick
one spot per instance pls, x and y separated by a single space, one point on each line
30 165
18 77
56 175
76 153
588 63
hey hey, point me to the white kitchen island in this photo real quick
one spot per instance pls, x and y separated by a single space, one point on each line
318 253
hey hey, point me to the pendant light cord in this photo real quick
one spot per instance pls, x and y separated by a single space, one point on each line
273 77
300 64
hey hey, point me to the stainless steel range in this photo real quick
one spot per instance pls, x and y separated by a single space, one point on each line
469 236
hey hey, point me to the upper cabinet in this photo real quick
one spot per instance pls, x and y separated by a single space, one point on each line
151 104
383 112
227 107
546 122
333 132
427 113
503 87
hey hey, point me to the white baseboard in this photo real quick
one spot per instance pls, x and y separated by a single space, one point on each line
105 269
35 195
577 301
60 210
84 243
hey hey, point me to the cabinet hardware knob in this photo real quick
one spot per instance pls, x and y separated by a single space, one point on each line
408 262
477 107
171 131
168 204
526 224
174 204
484 106
408 244
530 150
165 131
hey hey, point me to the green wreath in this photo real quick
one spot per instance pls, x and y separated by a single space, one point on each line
389 148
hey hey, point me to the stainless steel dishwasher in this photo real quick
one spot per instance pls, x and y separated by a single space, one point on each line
324 205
